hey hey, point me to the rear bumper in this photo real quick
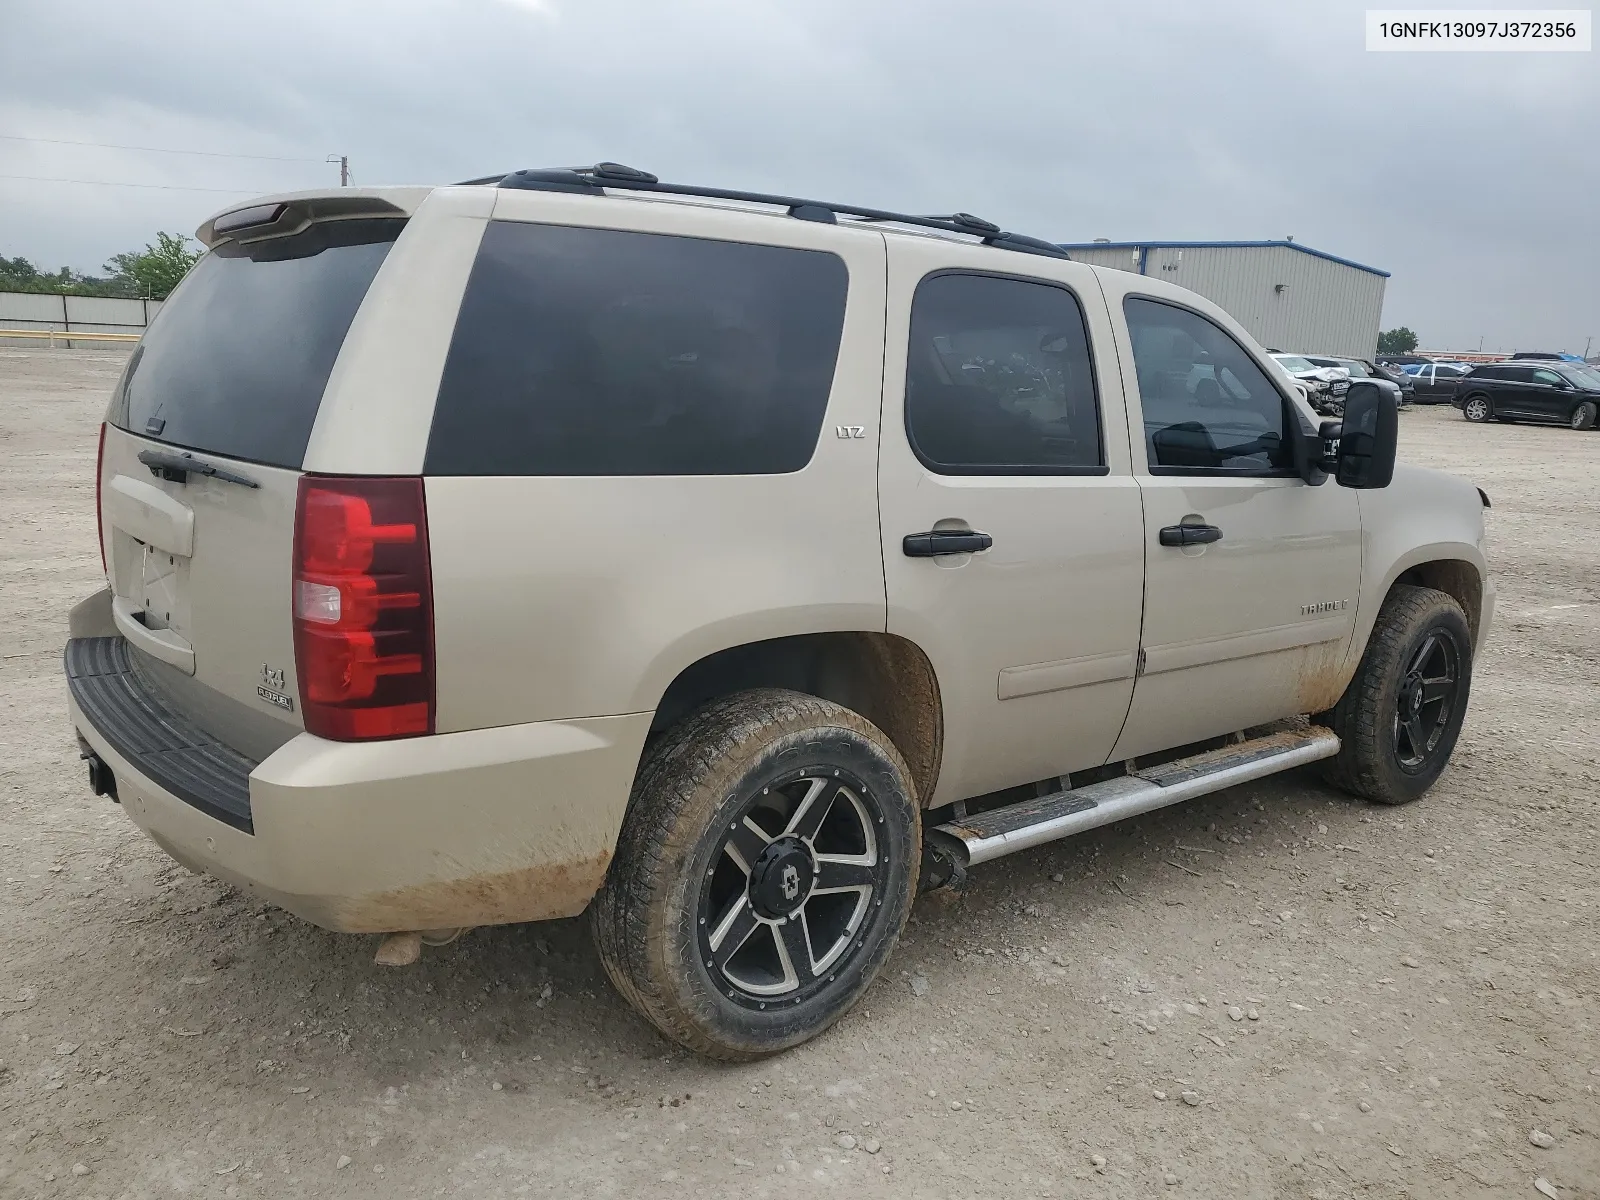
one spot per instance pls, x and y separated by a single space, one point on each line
483 827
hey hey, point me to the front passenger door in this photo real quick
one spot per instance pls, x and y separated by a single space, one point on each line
1251 575
1548 396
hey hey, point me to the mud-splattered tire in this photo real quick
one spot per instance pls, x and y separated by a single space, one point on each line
1400 717
765 869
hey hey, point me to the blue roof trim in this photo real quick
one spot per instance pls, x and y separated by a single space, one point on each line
1220 246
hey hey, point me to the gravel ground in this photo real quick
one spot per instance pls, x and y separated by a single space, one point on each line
1275 991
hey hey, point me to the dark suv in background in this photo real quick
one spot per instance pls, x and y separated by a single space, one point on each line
1533 391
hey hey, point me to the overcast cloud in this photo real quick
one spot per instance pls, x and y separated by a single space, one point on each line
1473 178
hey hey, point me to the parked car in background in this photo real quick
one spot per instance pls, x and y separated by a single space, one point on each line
1325 386
1395 375
1532 391
1557 355
1401 362
1361 370
1436 382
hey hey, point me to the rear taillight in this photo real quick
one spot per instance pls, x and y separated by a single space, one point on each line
363 608
100 521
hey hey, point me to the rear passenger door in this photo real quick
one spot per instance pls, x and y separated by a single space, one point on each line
1003 423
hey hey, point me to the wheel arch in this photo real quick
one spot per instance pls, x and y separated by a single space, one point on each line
1455 577
888 679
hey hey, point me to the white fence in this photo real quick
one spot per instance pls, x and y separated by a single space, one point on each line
64 314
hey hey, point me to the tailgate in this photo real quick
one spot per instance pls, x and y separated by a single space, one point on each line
201 466
199 575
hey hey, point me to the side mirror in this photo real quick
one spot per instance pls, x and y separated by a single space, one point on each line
1369 437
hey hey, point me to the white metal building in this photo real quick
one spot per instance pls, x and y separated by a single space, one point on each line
1290 297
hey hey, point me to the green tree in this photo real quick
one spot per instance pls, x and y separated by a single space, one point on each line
155 270
1397 341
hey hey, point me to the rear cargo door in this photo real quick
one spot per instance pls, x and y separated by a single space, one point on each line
204 442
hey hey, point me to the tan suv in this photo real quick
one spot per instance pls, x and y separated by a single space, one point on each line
724 564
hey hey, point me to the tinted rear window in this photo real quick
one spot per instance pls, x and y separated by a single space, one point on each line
600 352
236 361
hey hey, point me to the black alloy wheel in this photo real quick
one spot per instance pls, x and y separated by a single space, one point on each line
793 881
1426 700
1401 713
765 868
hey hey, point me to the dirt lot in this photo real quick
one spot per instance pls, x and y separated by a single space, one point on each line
1358 1001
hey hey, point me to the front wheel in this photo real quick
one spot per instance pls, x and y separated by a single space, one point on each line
1583 417
764 871
1399 719
1477 408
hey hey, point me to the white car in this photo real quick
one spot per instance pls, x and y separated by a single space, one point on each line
1325 386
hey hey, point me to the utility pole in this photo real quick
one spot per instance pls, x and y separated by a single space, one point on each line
344 167
1586 346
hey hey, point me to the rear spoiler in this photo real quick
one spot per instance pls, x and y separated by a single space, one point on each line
290 212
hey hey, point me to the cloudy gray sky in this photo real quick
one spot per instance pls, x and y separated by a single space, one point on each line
1473 178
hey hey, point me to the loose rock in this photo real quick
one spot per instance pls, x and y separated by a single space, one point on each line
1253 1015
1235 1013
919 985
344 1161
1097 1161
845 1141
79 1169
1408 961
872 1145
1541 1139
1543 1187
1191 1098
1169 1179
1365 1106
1159 1094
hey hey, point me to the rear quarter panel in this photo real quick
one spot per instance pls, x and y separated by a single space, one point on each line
560 597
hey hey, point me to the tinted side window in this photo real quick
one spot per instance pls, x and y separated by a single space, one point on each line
1548 377
1489 373
598 352
1207 405
999 379
237 360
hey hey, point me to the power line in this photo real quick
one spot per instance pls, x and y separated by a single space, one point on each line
17 137
166 187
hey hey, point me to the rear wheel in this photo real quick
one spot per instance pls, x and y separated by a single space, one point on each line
1583 417
1399 719
764 871
1477 408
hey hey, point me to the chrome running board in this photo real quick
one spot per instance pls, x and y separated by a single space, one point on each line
1003 831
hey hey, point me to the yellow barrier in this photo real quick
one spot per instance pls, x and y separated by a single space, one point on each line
69 335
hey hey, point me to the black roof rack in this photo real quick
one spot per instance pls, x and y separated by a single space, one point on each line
596 179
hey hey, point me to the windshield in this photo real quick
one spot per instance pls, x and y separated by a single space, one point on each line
1357 370
237 360
1293 363
1584 377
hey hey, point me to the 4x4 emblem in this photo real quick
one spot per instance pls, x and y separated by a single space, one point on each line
271 688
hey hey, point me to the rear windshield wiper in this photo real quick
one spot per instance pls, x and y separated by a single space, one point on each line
178 468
